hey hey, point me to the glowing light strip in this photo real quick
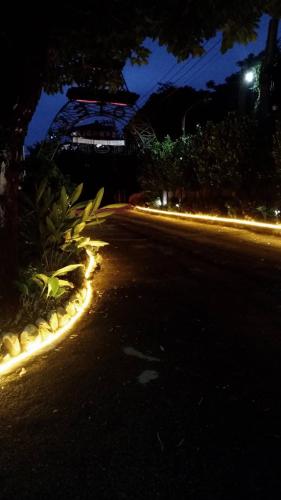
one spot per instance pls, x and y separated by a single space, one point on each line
119 104
12 363
97 142
213 218
89 101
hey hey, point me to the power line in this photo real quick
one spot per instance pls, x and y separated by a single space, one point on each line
189 70
200 70
188 62
148 92
198 61
180 69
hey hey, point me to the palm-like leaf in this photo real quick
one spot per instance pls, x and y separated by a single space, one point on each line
98 198
76 194
67 269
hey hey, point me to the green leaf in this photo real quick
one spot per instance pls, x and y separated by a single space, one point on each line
37 281
87 211
60 292
50 225
67 247
97 244
98 198
83 242
55 213
79 227
42 277
67 235
65 283
67 269
82 204
95 223
76 194
64 199
75 239
53 286
41 189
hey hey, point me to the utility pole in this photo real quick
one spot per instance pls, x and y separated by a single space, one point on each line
264 105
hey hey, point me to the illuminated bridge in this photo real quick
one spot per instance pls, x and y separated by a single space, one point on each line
101 119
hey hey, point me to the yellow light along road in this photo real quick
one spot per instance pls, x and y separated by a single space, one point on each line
212 218
39 345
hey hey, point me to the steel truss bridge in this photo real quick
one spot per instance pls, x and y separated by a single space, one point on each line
87 106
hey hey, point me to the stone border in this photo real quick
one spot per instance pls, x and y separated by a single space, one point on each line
34 338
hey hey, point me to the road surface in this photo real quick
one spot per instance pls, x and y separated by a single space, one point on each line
170 388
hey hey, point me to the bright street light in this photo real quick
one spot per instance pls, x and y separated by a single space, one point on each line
249 76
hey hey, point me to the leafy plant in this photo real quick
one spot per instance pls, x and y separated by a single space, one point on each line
163 169
222 167
52 227
55 286
54 224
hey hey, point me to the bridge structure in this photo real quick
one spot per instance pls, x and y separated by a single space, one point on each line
100 119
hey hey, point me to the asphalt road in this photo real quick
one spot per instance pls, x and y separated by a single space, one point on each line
171 386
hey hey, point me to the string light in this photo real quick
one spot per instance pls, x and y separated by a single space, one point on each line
38 346
213 218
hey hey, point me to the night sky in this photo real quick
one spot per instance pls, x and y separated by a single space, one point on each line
162 67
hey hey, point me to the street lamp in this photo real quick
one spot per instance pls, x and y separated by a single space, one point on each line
249 76
248 80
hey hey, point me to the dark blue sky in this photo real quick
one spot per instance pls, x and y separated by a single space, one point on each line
162 67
